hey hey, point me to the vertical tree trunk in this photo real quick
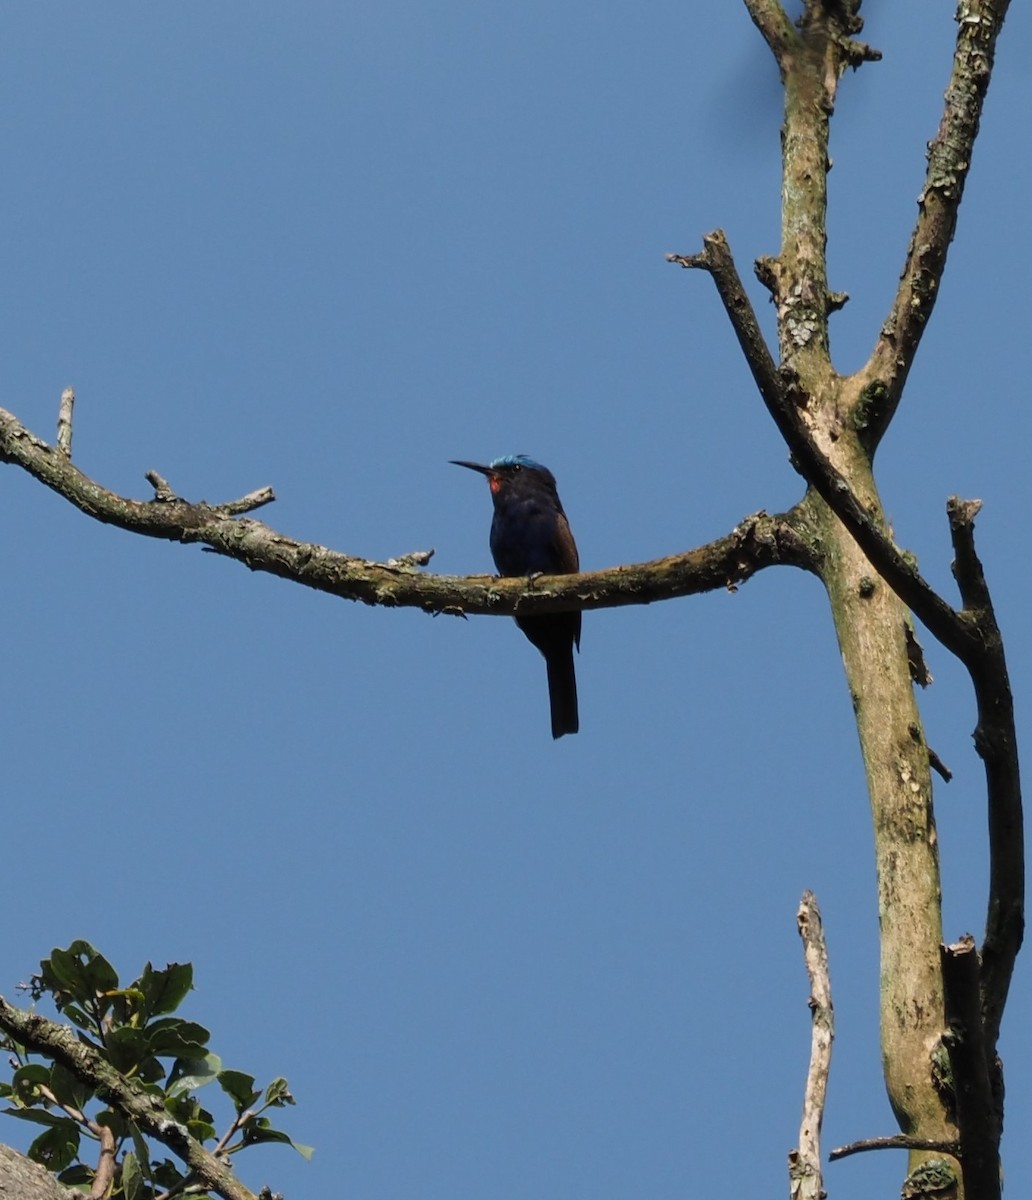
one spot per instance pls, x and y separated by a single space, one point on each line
870 625
870 620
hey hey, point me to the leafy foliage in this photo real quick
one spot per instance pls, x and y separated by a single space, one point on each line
132 1027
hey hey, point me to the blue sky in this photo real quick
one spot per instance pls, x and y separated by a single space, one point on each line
328 248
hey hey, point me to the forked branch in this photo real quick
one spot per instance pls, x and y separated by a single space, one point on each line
785 403
972 633
949 159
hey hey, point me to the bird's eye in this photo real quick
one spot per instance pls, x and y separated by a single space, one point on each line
517 467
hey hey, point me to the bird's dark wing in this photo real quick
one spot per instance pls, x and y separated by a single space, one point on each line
564 547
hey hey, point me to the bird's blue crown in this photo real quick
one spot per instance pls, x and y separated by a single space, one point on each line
516 460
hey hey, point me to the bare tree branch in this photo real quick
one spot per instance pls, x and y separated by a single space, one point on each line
979 1121
60 1043
949 159
779 33
64 422
758 541
717 260
832 426
971 634
781 393
996 743
804 1164
895 1141
105 1173
811 61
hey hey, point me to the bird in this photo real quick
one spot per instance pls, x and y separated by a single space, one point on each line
530 535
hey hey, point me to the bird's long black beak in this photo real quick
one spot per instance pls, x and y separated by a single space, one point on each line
458 462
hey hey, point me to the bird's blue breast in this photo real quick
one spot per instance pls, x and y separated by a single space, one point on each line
523 536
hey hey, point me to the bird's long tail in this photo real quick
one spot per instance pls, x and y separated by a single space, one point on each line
562 690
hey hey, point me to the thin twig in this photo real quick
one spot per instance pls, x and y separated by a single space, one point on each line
163 492
76 1114
895 1141
64 422
716 259
248 503
938 766
804 1163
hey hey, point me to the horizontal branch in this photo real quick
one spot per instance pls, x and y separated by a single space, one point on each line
60 1043
895 1141
759 541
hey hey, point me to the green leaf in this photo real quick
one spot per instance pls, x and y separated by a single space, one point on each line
167 1174
77 1017
60 972
172 1037
190 1073
142 1151
57 1147
75 1174
38 1116
125 1048
27 1080
132 1177
115 1121
278 1094
201 1129
79 974
150 1070
34 1072
186 1109
69 1088
240 1088
7 1043
165 990
258 1129
126 1005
